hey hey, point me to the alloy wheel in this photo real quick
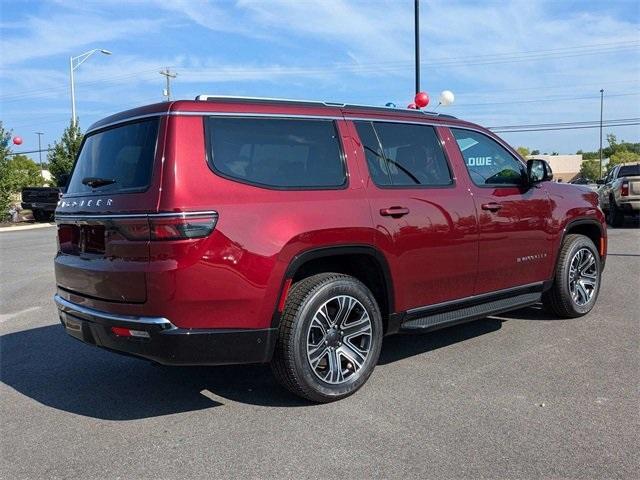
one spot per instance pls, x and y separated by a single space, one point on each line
339 339
583 276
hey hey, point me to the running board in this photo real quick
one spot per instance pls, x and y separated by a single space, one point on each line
443 319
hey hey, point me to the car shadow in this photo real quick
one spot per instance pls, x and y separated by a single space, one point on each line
534 312
399 347
58 371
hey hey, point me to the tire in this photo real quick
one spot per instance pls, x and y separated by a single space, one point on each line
307 336
39 215
614 216
575 290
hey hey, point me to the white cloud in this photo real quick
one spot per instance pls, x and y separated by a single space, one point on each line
66 33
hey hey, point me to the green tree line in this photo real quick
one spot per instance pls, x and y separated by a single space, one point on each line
20 171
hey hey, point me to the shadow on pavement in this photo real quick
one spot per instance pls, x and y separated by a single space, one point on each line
398 347
535 312
50 367
61 372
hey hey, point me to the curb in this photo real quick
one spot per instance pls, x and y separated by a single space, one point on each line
26 227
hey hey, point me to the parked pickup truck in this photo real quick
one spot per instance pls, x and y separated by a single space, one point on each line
620 193
42 201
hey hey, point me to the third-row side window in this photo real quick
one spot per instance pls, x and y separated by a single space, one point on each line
277 153
402 154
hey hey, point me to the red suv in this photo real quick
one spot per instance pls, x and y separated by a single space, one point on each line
235 230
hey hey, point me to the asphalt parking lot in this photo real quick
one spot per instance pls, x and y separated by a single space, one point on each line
521 396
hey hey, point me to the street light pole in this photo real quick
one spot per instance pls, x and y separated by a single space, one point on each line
601 105
39 147
73 95
416 15
74 63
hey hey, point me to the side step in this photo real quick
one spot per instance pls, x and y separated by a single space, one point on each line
441 319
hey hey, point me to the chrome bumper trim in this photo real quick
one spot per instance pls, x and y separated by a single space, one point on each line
73 308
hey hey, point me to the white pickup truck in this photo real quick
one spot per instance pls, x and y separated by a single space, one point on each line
619 193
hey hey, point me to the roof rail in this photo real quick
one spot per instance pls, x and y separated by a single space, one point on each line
241 99
213 98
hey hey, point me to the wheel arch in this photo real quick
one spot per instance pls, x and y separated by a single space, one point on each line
590 228
364 262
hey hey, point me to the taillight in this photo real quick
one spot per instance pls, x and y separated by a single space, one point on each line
624 189
181 228
163 227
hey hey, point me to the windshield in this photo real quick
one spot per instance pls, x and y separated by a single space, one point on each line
119 159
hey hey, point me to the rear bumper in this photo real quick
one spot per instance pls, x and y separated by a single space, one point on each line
166 344
629 206
47 207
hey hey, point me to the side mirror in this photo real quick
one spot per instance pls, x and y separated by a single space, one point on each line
600 182
538 171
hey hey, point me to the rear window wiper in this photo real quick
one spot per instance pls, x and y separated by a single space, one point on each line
95 182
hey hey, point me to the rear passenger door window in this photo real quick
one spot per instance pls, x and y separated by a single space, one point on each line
488 162
276 153
404 155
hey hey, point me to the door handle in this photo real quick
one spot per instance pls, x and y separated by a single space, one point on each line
492 206
395 212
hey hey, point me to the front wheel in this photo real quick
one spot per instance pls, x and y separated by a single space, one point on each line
330 337
577 279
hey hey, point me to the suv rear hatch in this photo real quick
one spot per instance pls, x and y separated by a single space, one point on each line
103 223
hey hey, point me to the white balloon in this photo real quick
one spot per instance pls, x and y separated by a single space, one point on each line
447 97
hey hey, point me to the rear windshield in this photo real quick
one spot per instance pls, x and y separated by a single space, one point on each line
277 153
119 159
629 171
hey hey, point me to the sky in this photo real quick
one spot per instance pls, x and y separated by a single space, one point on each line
507 62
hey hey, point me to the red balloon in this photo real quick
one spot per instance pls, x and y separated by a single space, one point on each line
17 140
421 99
412 106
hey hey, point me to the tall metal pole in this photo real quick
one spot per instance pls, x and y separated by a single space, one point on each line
167 73
39 147
416 15
73 96
601 105
75 62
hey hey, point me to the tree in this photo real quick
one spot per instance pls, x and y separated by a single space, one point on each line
5 189
622 156
64 152
523 151
23 172
535 152
590 169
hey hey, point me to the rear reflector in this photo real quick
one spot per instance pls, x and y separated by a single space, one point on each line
285 293
624 189
126 332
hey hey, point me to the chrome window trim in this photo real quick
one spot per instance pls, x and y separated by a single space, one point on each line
89 216
125 120
347 116
69 307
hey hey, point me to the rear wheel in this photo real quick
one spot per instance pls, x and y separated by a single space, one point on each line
330 337
615 216
577 280
39 215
